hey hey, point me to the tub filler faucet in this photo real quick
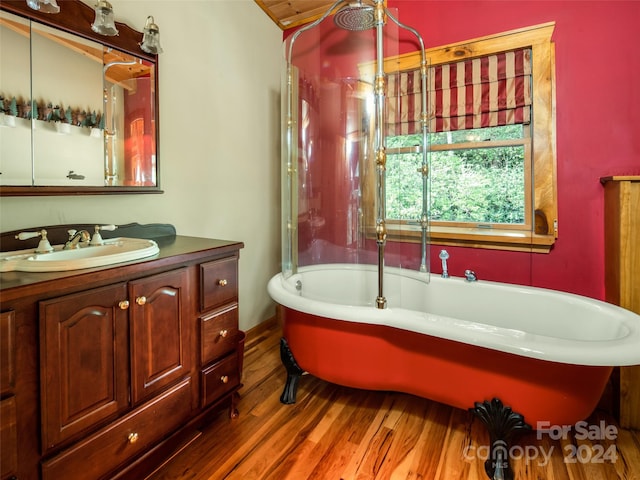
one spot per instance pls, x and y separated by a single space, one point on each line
444 255
470 276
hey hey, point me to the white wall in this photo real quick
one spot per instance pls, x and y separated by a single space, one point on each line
219 172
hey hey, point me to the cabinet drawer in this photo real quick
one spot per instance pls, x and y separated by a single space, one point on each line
219 332
8 438
114 445
219 379
7 351
218 283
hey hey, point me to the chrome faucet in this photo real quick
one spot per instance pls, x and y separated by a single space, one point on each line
75 237
470 276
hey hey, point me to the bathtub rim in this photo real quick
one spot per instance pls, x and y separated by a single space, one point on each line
621 351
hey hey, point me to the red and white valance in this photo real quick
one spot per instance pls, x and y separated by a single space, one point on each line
488 91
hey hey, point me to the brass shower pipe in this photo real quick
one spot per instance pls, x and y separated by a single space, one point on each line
380 150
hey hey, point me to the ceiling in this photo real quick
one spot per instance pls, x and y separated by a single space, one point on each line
292 13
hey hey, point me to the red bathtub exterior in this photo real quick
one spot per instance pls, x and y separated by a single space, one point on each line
376 357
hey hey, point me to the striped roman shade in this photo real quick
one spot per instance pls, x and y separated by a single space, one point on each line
482 92
404 102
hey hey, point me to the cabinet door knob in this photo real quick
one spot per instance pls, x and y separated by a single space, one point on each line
132 438
124 304
141 300
224 333
224 379
223 282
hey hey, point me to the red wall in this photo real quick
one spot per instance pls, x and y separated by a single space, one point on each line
598 124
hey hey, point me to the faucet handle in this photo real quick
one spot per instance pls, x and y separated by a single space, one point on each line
43 246
28 235
96 239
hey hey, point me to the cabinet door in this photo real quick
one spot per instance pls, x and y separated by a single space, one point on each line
160 332
7 352
8 426
83 360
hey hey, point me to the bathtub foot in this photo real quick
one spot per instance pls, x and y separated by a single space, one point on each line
503 425
293 373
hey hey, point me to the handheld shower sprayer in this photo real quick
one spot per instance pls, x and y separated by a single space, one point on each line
444 255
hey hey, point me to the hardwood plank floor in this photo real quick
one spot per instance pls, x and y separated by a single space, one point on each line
339 433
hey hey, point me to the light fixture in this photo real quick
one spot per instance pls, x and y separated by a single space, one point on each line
104 23
45 6
151 37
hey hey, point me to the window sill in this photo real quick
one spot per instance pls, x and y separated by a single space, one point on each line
493 238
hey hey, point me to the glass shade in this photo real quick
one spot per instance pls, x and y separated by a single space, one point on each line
46 6
104 24
151 37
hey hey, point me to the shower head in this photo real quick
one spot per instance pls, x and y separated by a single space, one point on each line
355 17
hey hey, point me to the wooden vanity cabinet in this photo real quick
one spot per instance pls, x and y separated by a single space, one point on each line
110 378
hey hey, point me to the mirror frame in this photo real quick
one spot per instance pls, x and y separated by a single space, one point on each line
75 17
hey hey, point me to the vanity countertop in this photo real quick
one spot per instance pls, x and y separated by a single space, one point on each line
13 284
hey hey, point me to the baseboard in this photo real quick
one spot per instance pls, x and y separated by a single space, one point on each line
262 327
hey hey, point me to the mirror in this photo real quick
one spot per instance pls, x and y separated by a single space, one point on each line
63 88
79 109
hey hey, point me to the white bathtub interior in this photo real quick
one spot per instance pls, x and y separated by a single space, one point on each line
530 321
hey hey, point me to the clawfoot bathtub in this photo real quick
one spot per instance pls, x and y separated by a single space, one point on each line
480 345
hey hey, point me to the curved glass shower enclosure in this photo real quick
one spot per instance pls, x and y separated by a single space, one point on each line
344 98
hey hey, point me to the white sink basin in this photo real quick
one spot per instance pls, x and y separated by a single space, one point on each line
114 250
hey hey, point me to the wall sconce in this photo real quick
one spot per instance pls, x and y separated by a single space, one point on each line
104 24
151 37
45 6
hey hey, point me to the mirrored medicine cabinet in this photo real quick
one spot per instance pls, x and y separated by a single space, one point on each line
79 110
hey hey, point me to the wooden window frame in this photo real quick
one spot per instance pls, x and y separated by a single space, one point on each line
544 224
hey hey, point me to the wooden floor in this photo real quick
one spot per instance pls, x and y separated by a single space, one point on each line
335 433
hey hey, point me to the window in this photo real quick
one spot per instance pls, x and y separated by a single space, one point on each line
478 176
492 179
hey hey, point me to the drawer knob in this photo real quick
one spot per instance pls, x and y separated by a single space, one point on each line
132 438
224 333
223 282
124 304
141 300
224 379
